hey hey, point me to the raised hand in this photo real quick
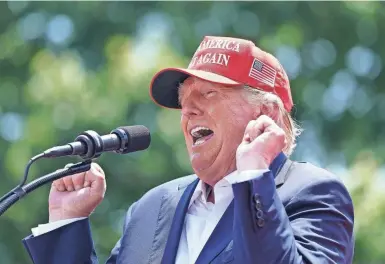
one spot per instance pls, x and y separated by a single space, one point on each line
77 195
262 142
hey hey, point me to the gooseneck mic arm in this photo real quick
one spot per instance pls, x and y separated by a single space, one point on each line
20 192
89 145
23 181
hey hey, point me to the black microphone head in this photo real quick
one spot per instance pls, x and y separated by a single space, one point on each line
139 138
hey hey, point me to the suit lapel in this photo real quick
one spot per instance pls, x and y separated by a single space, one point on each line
177 225
163 224
279 167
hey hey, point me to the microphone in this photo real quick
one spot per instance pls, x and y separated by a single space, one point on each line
90 144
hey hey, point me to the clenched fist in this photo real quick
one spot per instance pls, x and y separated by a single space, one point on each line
262 142
77 195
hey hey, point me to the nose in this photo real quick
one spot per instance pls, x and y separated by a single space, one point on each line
191 108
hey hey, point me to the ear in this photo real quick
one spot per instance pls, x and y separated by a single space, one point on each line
271 110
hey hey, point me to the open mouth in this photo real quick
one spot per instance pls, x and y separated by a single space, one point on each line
200 135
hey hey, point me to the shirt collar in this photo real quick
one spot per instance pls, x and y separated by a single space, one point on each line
223 187
202 190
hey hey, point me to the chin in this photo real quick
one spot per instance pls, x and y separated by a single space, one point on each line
198 163
208 172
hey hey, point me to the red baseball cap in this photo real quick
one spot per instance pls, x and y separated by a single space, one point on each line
227 61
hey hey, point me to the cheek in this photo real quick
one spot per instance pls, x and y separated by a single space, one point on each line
237 116
183 123
233 110
211 110
183 126
234 122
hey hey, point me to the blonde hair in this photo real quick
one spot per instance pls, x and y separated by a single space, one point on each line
284 118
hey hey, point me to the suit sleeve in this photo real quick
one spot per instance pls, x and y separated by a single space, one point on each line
315 227
69 244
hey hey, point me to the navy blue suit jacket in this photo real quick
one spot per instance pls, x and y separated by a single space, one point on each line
295 213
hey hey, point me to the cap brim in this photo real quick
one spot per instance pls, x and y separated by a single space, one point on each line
164 85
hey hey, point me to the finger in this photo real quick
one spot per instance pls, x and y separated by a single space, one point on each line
261 125
272 135
94 173
253 129
69 185
59 185
97 168
79 180
249 127
95 177
271 127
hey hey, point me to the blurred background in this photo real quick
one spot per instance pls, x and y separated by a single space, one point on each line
66 67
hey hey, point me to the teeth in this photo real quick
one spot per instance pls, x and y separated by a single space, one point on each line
199 141
195 132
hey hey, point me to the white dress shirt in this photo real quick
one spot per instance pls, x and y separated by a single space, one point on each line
201 218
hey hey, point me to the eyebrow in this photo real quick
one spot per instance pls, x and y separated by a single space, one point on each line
180 93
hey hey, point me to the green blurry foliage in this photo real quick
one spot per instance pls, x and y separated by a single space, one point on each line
66 67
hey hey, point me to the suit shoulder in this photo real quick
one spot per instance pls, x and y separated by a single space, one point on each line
311 173
308 181
305 175
171 186
181 182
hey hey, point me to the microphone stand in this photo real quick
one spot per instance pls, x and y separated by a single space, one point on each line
94 147
20 191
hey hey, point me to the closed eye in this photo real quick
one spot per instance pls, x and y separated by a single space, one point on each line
210 94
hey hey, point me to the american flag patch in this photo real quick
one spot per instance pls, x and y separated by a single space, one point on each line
263 73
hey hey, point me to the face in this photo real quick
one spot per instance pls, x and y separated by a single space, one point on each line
214 118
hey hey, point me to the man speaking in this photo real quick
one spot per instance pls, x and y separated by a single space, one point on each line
247 202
